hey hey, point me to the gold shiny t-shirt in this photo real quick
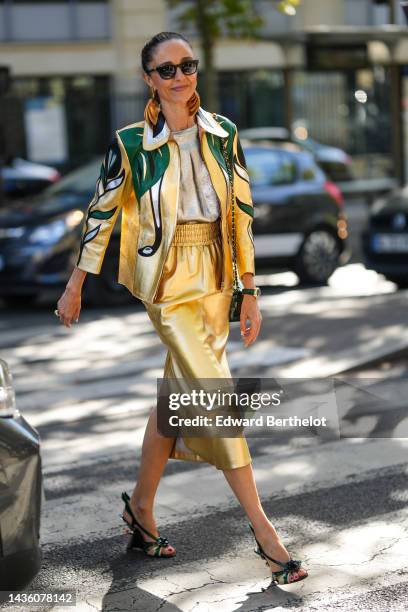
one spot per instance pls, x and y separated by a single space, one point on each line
198 202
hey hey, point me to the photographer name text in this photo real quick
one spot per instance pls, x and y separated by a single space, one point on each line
262 420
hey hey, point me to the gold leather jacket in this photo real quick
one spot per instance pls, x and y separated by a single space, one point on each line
140 176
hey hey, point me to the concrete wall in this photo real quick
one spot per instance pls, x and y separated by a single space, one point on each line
133 24
58 59
320 12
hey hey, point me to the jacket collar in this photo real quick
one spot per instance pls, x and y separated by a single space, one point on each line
158 135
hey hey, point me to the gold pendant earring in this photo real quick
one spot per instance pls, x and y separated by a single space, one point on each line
193 103
152 109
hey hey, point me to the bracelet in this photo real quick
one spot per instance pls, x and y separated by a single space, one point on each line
255 291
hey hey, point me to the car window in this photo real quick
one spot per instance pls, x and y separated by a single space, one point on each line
309 170
308 174
270 167
336 171
79 181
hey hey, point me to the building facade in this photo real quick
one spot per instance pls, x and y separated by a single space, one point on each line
337 71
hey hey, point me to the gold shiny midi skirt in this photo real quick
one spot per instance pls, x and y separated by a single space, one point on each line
191 317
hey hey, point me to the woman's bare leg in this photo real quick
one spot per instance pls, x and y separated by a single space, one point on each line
155 453
242 482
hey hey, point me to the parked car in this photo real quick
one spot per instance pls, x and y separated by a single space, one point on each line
39 242
385 238
22 178
335 162
299 221
21 492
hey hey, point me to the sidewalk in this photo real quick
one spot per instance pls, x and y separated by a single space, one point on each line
340 506
314 332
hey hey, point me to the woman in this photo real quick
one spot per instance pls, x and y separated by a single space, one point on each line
169 177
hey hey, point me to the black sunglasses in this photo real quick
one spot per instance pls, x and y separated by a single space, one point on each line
168 71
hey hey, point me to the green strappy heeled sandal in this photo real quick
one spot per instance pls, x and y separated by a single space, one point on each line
151 549
285 575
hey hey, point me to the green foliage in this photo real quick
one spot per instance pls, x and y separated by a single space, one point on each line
233 17
237 18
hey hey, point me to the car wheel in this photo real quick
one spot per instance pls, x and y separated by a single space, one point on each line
103 289
18 301
318 257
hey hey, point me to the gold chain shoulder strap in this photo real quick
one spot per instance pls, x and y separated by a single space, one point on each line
236 285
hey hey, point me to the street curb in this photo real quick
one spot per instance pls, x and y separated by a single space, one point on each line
323 366
386 356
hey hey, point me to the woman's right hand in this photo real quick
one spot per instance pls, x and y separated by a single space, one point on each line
69 304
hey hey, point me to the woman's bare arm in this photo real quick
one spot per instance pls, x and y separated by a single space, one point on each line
76 280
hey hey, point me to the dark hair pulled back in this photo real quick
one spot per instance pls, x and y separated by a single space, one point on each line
150 47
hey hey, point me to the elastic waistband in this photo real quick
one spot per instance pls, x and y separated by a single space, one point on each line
197 233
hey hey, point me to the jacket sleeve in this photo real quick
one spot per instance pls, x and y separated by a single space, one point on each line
244 210
113 187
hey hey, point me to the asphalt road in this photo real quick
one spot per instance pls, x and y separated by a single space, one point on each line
339 504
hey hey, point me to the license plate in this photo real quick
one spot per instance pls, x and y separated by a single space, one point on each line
390 243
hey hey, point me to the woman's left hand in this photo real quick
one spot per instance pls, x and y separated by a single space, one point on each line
250 310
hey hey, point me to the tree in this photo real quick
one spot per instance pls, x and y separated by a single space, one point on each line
213 19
